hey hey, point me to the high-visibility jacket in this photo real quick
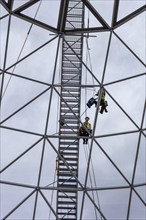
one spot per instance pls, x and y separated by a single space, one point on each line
103 96
87 125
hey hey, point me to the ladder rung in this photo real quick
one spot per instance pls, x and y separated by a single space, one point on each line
65 213
70 73
69 164
69 180
75 105
67 50
72 103
63 202
72 100
66 207
72 58
70 159
71 122
70 65
68 143
71 89
75 94
68 148
75 62
76 77
68 133
73 139
69 129
67 174
68 191
70 116
70 83
69 186
67 111
69 153
65 169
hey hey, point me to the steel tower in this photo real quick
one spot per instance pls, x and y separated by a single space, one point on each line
54 56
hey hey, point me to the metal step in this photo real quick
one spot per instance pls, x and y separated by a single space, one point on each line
70 127
69 132
70 77
73 165
68 111
66 94
69 186
69 202
71 100
64 207
66 169
71 116
68 149
71 105
69 179
64 213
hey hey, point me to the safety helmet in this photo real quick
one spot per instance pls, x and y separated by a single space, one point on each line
87 118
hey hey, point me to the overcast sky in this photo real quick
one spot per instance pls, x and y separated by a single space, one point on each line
111 147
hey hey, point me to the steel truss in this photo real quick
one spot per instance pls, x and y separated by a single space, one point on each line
70 190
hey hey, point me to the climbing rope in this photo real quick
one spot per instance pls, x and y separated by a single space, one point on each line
88 58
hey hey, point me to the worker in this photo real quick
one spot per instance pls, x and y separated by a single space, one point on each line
103 102
85 130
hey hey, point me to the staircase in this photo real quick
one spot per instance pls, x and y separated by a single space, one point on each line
69 114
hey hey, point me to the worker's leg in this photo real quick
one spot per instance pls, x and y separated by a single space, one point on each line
106 110
104 105
102 109
86 141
